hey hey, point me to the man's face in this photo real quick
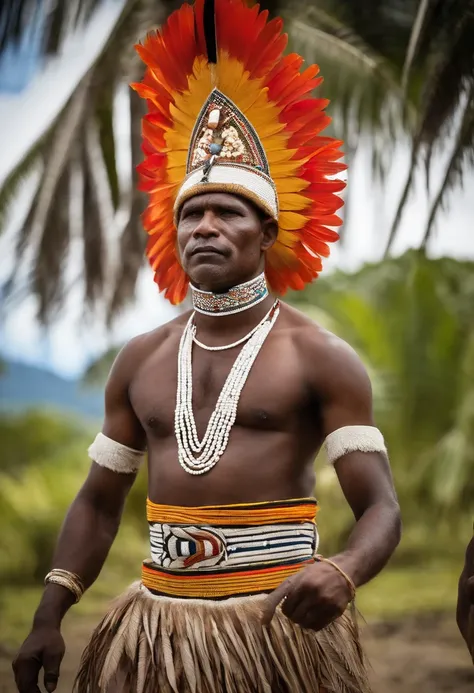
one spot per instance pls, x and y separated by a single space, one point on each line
222 240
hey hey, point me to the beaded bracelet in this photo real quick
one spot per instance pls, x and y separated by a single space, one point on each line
346 577
66 579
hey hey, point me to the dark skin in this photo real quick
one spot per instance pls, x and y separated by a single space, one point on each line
465 605
281 423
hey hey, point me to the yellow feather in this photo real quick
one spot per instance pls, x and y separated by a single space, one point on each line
285 168
281 253
290 221
283 155
182 117
287 238
293 202
176 175
290 185
177 158
176 140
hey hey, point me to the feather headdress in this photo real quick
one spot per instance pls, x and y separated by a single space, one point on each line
227 111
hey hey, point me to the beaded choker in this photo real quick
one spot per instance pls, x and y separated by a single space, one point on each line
236 300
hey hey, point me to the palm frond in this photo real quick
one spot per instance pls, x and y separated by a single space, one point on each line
54 151
363 87
65 134
14 17
105 120
463 149
419 29
94 234
11 185
17 17
52 249
89 112
451 74
133 239
322 38
403 198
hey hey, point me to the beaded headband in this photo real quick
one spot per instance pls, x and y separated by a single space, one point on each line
228 112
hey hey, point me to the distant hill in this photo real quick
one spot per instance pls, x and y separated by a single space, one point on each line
26 387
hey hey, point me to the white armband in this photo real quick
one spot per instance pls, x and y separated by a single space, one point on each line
352 439
115 456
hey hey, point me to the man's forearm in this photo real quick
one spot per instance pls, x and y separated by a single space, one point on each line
372 542
84 542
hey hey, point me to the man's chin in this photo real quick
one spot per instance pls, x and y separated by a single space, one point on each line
208 277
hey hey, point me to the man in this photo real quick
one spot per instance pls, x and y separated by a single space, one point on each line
231 401
465 605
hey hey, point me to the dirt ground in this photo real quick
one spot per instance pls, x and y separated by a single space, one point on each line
417 655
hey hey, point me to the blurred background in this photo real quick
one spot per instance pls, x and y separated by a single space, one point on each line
399 288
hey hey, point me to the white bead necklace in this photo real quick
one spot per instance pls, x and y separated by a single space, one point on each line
239 341
195 456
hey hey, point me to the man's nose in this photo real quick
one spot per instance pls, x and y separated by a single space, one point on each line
206 227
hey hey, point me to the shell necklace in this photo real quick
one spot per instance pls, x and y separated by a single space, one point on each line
199 456
239 341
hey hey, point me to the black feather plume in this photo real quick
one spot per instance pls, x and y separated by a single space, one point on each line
209 20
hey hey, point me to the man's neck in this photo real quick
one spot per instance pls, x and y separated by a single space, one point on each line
234 299
227 327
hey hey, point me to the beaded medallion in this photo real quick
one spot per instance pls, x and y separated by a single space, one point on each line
222 131
238 298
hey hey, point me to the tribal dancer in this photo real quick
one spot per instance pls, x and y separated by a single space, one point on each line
232 400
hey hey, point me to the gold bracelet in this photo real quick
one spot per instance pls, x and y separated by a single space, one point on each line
66 579
346 577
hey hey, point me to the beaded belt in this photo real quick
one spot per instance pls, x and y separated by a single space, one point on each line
228 550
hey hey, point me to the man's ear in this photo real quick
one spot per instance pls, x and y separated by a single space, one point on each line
269 233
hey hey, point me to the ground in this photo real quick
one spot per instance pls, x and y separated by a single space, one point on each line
411 655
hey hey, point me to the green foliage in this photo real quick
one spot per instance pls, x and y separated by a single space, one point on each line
411 321
98 371
35 435
43 464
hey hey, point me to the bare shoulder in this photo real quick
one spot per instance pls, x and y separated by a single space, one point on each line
329 362
136 352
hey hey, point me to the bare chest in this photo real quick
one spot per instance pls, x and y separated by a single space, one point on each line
273 394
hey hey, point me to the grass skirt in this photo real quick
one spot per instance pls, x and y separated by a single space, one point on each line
152 644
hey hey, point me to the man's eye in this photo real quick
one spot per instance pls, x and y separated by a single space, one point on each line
230 213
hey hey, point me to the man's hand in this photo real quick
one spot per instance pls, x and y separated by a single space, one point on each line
312 598
43 648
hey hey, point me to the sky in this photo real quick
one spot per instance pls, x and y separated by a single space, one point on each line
69 345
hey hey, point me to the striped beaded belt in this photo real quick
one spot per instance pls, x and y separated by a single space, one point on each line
216 552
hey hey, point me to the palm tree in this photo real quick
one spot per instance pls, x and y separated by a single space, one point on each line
440 47
81 142
376 87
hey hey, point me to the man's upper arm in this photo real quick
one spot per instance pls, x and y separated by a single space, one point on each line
105 487
343 387
121 423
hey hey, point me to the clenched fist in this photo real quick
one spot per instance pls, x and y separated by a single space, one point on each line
312 598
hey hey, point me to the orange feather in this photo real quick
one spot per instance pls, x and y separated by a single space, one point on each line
274 93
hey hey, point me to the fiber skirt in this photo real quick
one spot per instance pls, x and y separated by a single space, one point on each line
157 644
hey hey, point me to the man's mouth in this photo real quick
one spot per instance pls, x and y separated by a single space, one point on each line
206 249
